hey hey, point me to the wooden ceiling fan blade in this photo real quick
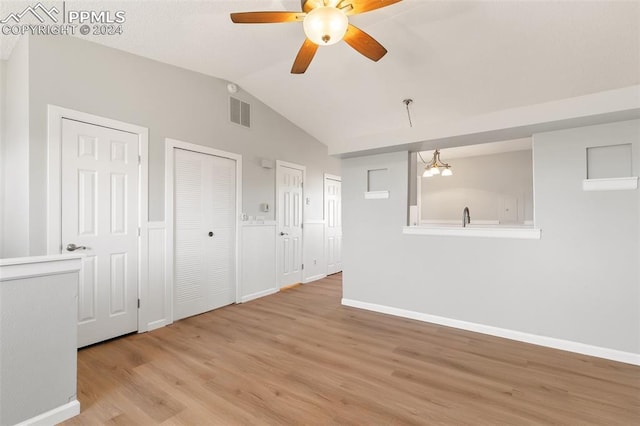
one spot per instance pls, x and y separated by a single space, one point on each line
309 5
304 57
266 17
354 7
364 43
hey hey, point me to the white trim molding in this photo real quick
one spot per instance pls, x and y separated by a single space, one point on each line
259 294
54 416
524 232
333 177
610 184
170 146
39 266
313 278
550 342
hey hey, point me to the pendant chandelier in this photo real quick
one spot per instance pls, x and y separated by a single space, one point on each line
436 166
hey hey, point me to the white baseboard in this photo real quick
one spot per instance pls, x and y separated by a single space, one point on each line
55 416
156 324
259 294
314 278
551 342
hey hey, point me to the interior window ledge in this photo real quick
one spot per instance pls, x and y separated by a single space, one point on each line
610 184
525 233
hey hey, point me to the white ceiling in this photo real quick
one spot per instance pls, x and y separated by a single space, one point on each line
455 59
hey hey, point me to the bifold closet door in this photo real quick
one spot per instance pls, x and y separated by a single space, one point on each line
204 232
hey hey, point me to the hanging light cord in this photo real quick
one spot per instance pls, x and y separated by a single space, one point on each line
421 159
408 102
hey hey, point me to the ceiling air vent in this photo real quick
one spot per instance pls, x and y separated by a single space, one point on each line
239 112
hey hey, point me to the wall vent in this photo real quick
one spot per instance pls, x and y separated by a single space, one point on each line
239 112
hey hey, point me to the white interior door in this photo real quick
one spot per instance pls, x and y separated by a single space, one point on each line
289 211
333 220
204 233
100 217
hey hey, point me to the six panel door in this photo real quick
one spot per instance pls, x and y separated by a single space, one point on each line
100 217
333 218
289 225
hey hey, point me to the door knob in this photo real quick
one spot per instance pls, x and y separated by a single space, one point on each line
73 247
210 233
283 233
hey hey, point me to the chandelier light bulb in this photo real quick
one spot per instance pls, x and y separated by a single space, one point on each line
447 172
435 170
325 25
427 173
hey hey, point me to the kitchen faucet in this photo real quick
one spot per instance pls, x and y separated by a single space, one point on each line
466 218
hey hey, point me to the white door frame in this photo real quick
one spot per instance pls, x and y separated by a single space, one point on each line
170 146
277 194
55 114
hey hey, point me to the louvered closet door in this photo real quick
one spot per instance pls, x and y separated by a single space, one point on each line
204 203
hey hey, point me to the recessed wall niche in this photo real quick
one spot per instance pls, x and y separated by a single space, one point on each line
613 161
377 184
610 168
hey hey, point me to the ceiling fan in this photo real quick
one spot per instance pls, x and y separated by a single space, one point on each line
325 22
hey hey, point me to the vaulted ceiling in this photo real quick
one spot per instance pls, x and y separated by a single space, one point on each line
455 59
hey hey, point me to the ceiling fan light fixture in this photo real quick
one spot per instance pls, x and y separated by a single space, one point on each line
325 25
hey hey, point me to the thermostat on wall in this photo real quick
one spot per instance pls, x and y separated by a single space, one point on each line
264 207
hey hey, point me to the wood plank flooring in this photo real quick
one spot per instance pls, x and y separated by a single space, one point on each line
299 357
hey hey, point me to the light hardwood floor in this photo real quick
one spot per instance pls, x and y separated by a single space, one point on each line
299 357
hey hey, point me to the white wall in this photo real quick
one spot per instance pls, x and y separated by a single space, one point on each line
15 155
171 102
314 261
482 183
38 306
3 89
578 283
258 274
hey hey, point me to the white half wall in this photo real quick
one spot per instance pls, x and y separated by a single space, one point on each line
315 259
38 331
156 303
258 263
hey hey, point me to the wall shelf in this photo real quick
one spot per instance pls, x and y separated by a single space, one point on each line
376 195
610 184
487 231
